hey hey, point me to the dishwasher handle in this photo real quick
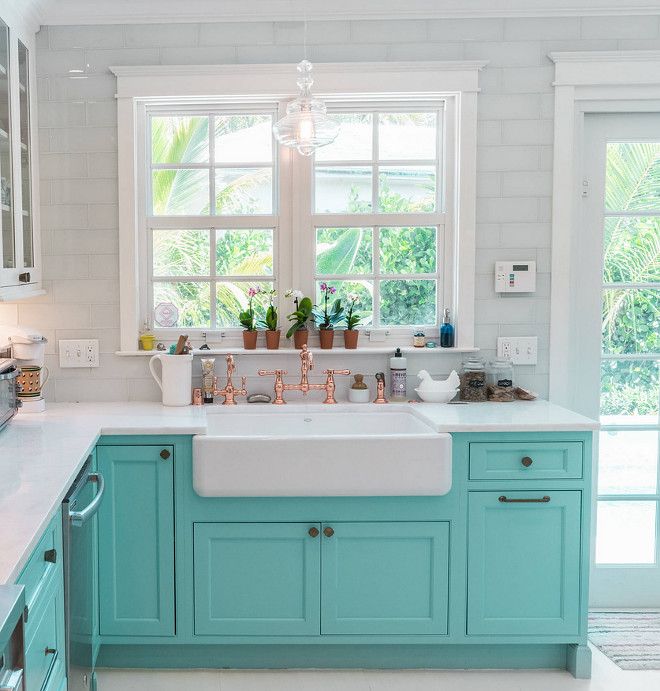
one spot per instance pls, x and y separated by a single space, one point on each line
78 518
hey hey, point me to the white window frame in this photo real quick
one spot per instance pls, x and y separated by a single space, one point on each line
455 83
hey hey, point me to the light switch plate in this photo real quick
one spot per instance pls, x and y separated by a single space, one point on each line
521 350
79 353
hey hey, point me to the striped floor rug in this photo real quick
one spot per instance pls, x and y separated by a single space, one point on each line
630 639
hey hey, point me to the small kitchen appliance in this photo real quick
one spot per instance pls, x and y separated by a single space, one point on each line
9 403
28 347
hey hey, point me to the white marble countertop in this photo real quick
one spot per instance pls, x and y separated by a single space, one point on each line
41 454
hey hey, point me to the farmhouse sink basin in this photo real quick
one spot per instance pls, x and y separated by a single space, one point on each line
300 451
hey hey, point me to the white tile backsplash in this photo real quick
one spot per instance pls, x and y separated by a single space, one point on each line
78 141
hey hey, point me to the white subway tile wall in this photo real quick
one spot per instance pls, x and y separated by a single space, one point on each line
78 140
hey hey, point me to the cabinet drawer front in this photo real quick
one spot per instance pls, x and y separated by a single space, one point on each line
45 560
259 579
45 638
385 578
524 563
525 460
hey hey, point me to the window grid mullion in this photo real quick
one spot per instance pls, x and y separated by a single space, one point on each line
376 266
374 163
211 124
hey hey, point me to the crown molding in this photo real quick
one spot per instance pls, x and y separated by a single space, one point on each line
27 14
607 68
170 11
606 56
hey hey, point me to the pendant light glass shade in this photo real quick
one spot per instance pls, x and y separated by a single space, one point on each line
306 125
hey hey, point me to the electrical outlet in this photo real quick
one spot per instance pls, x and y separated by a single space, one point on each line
79 353
521 350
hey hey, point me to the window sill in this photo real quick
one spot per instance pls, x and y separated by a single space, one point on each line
363 350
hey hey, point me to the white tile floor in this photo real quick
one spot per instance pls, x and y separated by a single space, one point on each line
606 677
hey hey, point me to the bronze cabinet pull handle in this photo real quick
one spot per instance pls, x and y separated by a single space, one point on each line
328 531
165 454
527 461
50 651
542 500
313 532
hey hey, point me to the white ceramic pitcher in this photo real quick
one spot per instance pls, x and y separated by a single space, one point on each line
176 380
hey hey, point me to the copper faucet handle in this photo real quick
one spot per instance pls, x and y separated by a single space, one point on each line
337 371
271 372
243 385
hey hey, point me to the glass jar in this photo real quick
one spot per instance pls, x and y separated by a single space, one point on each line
473 379
500 380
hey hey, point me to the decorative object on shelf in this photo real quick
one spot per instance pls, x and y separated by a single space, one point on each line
446 331
160 346
430 344
327 317
208 378
270 323
500 381
205 345
306 125
176 377
147 339
437 391
380 388
359 391
166 315
351 334
197 396
419 339
248 320
398 376
299 318
473 379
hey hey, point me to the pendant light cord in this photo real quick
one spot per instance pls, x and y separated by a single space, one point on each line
305 29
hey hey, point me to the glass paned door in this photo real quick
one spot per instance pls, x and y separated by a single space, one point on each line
26 153
625 206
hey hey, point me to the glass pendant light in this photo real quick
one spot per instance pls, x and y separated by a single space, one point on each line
306 125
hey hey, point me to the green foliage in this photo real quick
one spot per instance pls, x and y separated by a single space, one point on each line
300 316
270 320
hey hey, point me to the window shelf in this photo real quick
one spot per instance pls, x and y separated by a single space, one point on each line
366 350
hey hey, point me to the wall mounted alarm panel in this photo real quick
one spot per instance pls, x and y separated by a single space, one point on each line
515 277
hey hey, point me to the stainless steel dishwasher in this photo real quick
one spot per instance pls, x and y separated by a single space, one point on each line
80 542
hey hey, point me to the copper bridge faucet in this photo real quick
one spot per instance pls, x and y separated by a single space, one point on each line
230 391
306 365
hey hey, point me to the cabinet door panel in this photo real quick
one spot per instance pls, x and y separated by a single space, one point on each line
385 578
256 579
524 563
136 541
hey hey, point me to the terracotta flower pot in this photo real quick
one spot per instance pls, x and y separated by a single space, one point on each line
300 338
351 338
327 337
249 340
272 339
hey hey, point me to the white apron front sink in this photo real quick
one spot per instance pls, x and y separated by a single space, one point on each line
320 451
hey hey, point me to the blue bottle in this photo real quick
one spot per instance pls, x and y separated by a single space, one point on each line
446 331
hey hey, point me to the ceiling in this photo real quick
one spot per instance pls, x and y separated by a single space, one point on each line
158 11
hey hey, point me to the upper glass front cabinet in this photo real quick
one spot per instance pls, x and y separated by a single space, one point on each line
6 172
26 152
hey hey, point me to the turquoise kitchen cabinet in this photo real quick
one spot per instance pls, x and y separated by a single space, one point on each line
136 541
524 562
385 578
44 621
257 578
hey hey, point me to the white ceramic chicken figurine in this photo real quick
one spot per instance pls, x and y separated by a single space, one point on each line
427 382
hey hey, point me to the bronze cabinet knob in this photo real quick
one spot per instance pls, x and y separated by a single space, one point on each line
527 461
328 531
313 532
165 454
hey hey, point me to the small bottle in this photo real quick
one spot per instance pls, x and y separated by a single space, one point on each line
446 331
398 376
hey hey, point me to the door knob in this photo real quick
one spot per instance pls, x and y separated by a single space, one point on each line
165 454
527 461
313 532
328 531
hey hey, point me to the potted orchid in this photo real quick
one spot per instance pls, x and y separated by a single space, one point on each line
248 320
352 320
326 316
270 323
299 318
